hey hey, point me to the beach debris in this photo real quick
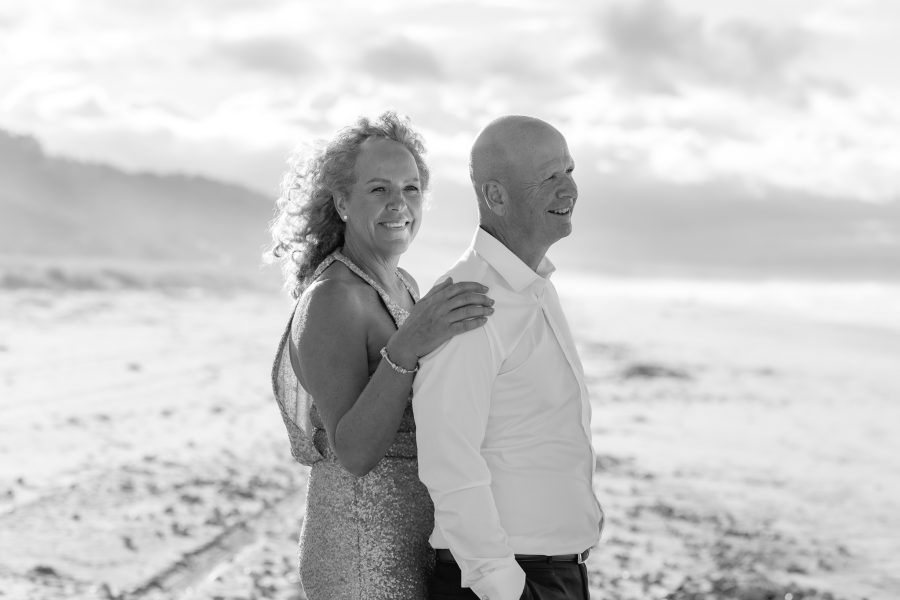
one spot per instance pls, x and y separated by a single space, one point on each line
43 571
191 499
216 518
608 462
106 592
653 371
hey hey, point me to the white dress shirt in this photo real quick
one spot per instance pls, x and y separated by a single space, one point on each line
503 429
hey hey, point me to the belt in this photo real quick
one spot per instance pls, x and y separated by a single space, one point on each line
444 555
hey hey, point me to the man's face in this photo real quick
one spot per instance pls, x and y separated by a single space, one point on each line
542 192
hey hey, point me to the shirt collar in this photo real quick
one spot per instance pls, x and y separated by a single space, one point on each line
510 267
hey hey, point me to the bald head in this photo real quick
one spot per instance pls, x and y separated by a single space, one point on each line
504 147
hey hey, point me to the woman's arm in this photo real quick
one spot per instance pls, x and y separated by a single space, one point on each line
362 414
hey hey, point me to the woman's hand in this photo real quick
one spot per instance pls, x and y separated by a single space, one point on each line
446 310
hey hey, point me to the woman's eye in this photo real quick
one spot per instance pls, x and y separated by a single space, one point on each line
412 189
380 188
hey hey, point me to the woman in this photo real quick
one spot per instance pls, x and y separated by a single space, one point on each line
344 370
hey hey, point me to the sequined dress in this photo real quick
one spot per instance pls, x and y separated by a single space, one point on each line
362 537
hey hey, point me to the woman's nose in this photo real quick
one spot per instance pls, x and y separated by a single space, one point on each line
396 200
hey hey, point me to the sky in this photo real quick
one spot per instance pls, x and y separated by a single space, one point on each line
787 95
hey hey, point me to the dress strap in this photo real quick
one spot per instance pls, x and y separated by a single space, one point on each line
326 262
409 286
398 313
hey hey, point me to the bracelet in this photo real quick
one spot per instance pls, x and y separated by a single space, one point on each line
394 365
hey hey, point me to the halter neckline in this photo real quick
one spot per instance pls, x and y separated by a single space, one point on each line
398 313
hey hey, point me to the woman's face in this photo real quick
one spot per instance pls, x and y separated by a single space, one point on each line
384 206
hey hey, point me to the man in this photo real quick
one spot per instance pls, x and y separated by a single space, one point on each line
502 412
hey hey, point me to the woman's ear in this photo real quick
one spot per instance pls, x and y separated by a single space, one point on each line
495 197
340 205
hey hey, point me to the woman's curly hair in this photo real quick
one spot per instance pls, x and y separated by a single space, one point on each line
307 227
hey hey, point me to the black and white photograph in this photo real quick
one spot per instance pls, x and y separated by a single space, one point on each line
474 299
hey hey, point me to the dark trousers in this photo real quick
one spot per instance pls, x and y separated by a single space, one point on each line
543 581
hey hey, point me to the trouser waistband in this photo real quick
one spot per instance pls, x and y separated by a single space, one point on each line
444 555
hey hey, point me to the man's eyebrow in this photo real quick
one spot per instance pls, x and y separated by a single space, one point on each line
552 165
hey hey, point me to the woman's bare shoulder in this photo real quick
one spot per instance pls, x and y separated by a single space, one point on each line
337 297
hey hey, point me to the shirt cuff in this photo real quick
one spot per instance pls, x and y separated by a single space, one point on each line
505 583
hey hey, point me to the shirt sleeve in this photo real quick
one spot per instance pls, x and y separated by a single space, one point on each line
451 401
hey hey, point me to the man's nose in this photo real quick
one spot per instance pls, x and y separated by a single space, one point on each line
569 190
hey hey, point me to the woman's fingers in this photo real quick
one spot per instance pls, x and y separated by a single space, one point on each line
466 287
449 309
469 311
469 298
467 325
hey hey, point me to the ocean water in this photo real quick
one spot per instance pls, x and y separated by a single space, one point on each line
873 303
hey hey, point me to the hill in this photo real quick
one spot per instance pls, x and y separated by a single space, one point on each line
58 210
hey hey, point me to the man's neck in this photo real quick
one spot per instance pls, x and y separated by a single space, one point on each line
531 257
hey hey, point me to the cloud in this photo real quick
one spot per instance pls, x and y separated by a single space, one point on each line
650 47
852 19
514 67
279 55
734 92
837 147
401 60
7 22
90 108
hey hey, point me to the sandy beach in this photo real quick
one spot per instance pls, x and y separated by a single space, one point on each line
745 449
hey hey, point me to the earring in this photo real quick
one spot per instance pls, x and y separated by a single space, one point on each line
344 217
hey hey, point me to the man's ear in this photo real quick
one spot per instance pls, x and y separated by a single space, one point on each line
495 197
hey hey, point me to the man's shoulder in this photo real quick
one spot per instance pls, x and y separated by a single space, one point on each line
513 311
470 267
